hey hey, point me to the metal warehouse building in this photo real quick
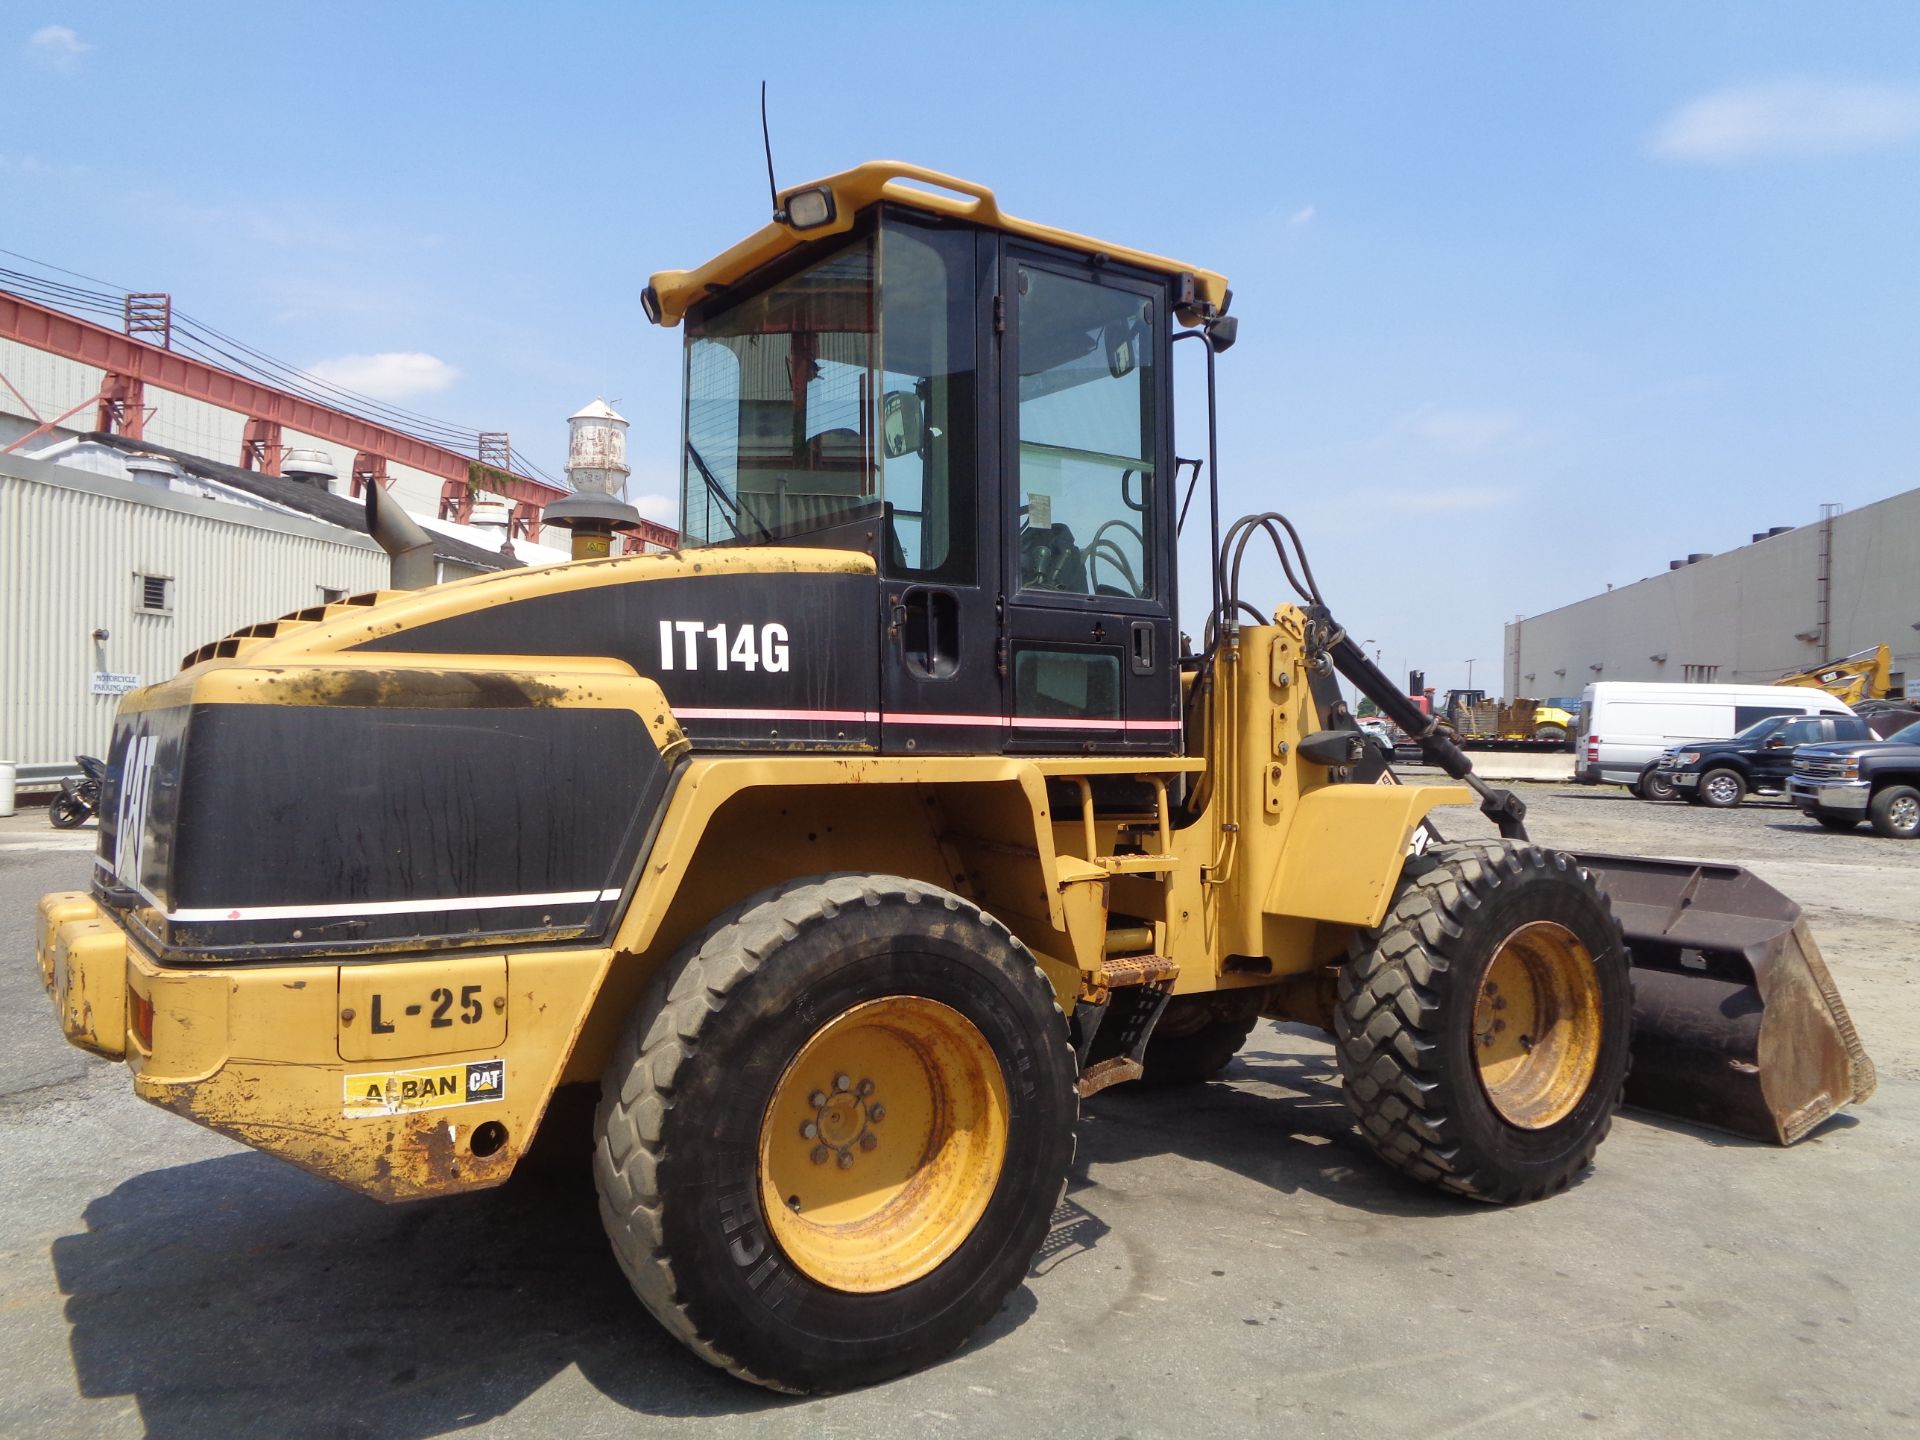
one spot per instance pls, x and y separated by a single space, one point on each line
1783 603
107 582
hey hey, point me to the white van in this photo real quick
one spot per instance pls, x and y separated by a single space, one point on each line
1624 725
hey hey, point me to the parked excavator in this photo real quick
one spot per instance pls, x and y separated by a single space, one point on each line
1855 679
844 851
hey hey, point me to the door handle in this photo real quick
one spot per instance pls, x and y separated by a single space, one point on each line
1142 647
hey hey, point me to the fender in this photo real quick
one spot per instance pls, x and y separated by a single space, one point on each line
1370 828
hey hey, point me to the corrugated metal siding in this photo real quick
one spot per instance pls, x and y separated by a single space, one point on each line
68 561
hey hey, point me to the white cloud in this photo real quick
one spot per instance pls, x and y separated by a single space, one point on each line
1464 431
1440 498
663 508
1302 217
391 375
57 47
1787 119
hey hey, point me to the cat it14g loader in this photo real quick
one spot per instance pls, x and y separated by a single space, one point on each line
847 848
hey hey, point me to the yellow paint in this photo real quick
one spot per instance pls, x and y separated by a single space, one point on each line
882 1144
1537 1025
1344 849
893 180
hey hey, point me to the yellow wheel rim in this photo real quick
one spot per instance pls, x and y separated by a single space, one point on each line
1536 1025
882 1144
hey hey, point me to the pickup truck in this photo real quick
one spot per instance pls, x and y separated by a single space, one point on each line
1722 773
1873 780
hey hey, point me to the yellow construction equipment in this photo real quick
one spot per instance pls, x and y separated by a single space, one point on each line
1861 676
844 851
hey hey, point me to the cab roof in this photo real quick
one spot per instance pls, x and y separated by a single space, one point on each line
672 292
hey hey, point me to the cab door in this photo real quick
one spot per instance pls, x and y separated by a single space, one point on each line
1086 506
940 684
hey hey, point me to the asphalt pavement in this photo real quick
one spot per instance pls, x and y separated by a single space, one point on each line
1229 1260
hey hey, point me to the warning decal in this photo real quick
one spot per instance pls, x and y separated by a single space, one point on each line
392 1092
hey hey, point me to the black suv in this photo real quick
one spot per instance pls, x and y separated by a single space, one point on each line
1759 759
1877 781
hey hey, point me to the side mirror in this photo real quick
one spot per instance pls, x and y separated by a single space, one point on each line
1222 333
902 424
1121 341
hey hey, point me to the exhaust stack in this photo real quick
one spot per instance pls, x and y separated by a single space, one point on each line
402 538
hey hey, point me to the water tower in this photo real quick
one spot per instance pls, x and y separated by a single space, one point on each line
597 468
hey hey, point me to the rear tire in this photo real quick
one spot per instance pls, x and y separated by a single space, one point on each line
1838 821
1895 812
67 813
1443 1092
1555 733
811 996
1198 1037
1722 789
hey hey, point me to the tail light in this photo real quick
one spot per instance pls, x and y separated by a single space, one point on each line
142 1015
1593 749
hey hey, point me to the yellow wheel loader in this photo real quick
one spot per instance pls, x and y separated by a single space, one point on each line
844 851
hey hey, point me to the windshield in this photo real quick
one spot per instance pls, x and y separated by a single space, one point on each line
1909 736
842 393
1760 729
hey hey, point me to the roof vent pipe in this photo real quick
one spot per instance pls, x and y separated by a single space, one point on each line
400 535
1778 530
1697 556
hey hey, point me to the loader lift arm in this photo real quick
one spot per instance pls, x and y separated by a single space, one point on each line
1329 645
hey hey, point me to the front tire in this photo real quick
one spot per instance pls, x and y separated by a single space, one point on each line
1483 1029
1895 812
1722 789
1656 785
67 813
835 1131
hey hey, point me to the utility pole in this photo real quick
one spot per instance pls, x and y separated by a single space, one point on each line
1469 674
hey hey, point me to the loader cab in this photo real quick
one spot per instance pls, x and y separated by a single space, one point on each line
986 408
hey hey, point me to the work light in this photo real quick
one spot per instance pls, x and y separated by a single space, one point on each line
810 209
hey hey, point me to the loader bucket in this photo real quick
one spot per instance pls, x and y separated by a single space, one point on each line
1737 1022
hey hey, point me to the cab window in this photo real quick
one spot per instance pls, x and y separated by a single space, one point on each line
1086 436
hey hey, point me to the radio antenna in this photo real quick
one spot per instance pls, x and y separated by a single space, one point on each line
773 190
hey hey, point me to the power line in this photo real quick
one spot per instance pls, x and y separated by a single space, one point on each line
209 345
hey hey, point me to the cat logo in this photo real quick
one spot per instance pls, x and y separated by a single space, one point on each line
395 1092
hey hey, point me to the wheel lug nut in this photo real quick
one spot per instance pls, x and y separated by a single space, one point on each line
809 1131
819 1156
865 1088
877 1112
843 1082
846 1159
869 1140
817 1099
1501 1003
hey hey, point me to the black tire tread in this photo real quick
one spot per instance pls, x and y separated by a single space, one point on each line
662 1038
1385 1021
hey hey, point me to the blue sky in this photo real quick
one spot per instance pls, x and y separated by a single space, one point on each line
1533 297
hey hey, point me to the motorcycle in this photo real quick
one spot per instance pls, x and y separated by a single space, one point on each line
78 800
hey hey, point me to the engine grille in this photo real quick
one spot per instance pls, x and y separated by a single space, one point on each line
1820 767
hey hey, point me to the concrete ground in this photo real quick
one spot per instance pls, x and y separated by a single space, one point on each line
1229 1261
